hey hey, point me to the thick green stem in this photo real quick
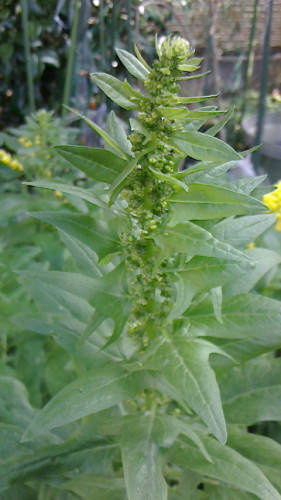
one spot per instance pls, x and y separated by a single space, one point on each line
27 52
71 57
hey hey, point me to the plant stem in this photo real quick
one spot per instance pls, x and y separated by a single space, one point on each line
102 36
129 28
71 56
263 81
27 52
250 59
114 13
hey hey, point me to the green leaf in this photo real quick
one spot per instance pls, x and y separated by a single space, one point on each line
219 126
184 296
60 293
98 164
193 77
84 257
94 391
243 349
141 59
99 238
244 316
191 239
139 127
190 100
110 297
174 113
202 274
142 461
114 89
216 298
262 451
242 231
204 147
184 362
203 202
251 392
169 179
133 65
203 113
66 332
188 67
228 466
225 492
84 194
104 135
15 406
122 179
198 167
167 428
186 114
96 487
55 458
248 184
265 260
116 131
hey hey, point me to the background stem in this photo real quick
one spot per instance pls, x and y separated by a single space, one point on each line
249 59
27 53
71 56
263 81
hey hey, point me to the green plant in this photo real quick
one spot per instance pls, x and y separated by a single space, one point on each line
31 145
171 352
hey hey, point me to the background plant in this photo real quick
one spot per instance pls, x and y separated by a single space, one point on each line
154 319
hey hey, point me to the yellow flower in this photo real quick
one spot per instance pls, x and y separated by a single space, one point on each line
16 165
251 245
273 202
5 157
8 160
277 226
25 142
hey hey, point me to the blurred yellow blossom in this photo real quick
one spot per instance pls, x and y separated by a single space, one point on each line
251 245
25 142
273 202
11 162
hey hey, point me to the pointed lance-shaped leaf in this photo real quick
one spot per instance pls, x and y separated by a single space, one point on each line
98 164
142 461
94 391
184 362
114 89
102 133
84 194
133 65
204 147
204 201
227 466
99 238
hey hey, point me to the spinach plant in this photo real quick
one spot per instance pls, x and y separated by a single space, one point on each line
173 353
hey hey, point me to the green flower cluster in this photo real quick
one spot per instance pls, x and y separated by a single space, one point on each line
147 195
